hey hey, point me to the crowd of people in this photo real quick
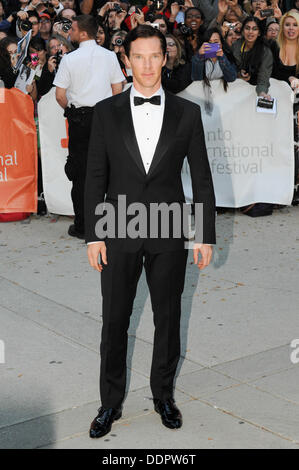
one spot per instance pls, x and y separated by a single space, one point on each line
253 40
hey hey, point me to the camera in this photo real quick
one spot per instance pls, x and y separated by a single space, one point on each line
34 58
118 42
58 56
267 12
66 25
184 30
117 8
24 25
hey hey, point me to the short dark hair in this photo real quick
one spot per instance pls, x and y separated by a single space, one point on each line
88 24
38 43
31 13
144 31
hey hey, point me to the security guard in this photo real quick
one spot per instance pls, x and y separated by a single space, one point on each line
84 77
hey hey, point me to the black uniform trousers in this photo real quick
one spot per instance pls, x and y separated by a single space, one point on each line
165 275
79 132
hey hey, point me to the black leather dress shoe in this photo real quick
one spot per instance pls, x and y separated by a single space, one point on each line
169 412
102 424
73 232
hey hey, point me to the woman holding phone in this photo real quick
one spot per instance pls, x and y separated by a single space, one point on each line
212 62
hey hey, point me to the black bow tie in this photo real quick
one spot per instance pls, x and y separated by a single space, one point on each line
153 100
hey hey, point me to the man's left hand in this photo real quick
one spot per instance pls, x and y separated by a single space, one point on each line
206 252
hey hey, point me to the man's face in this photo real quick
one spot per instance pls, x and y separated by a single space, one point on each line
146 61
45 25
35 25
68 13
258 5
1 9
74 32
68 3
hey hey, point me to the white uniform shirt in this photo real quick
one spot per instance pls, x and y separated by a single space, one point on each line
88 73
147 120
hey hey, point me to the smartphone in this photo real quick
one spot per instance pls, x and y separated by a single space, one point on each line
213 49
34 58
267 12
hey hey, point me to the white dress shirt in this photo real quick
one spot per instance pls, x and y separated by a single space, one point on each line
88 73
147 121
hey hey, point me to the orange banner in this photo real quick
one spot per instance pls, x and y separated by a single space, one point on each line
18 153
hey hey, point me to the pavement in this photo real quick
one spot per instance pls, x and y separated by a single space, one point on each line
237 381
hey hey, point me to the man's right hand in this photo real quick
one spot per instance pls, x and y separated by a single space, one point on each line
93 252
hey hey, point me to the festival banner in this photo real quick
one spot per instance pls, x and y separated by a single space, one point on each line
251 153
53 130
18 153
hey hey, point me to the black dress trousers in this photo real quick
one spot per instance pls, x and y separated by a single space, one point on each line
165 274
75 168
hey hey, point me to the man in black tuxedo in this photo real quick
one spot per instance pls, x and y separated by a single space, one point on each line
138 143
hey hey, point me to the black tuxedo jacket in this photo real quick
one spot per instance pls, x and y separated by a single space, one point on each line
115 167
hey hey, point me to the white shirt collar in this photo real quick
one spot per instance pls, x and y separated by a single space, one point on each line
159 92
88 43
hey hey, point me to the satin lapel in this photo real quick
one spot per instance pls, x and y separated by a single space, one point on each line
124 118
171 120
